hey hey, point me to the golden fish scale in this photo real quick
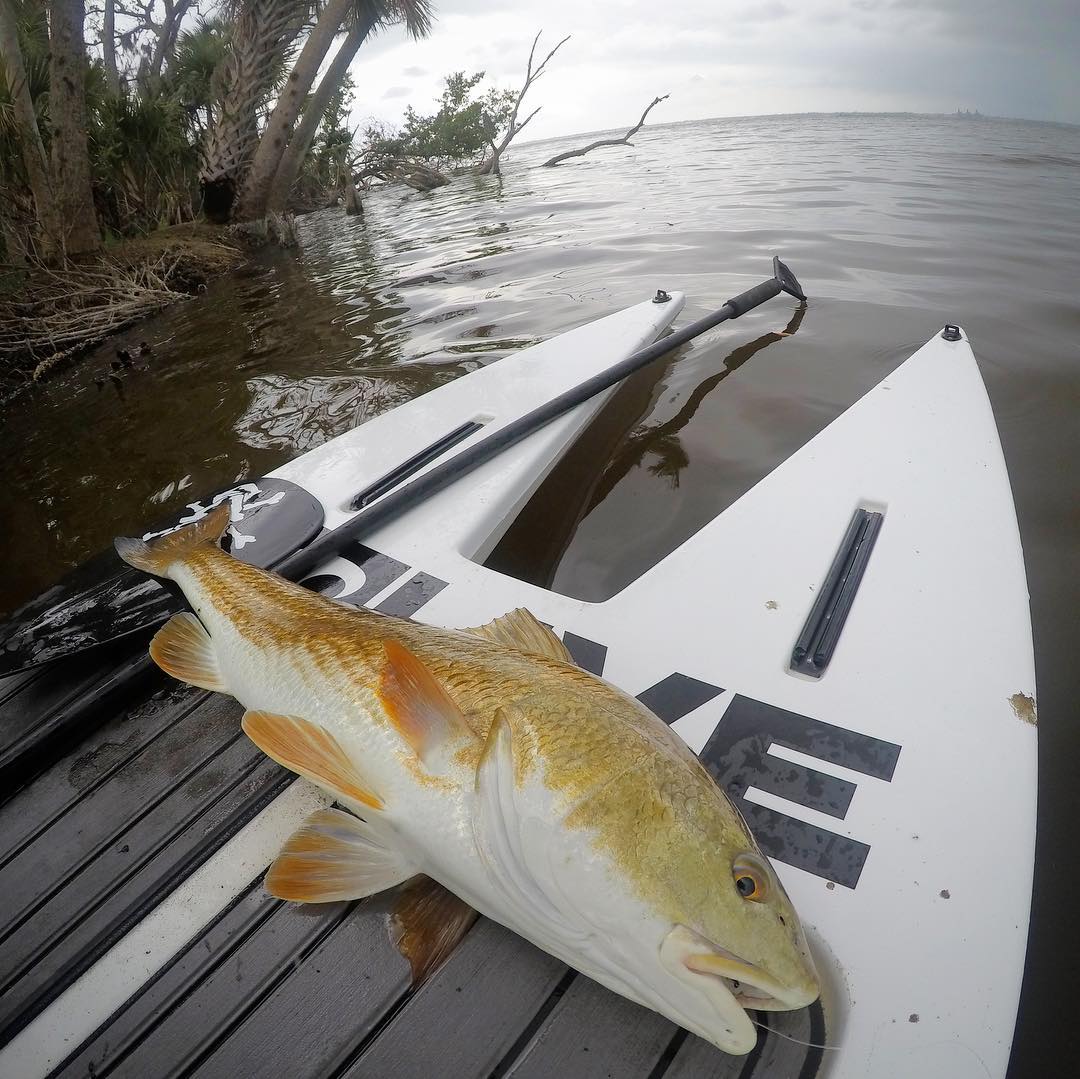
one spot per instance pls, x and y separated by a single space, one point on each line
617 770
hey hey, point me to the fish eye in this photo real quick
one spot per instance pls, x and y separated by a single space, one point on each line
751 878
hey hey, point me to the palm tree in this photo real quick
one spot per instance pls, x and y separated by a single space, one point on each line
292 159
67 111
199 53
26 130
415 14
262 33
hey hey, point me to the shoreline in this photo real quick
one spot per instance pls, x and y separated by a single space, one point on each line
51 317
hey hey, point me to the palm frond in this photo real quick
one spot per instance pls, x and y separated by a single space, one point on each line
417 16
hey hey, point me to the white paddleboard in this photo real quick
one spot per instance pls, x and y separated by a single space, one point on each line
895 790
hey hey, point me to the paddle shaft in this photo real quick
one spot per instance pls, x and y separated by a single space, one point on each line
117 683
411 494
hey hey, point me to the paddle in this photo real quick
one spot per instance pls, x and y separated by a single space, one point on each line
70 619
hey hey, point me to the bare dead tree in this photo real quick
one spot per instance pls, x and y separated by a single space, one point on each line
490 165
165 46
108 47
624 141
142 20
353 206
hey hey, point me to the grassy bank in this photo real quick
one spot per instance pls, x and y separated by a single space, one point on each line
49 316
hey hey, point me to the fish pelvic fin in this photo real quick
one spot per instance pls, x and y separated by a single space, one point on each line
428 922
521 630
311 751
418 706
183 649
335 856
157 555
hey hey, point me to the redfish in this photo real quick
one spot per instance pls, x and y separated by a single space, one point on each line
537 793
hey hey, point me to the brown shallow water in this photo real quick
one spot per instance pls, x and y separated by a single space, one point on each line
894 224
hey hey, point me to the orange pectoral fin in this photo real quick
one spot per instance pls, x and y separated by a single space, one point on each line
417 704
311 751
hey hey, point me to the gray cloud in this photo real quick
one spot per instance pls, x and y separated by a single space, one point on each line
769 11
735 57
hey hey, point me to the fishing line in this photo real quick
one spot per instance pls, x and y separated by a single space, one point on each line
797 1041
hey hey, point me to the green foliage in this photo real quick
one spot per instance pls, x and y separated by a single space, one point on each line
460 131
143 143
190 74
144 159
334 132
331 149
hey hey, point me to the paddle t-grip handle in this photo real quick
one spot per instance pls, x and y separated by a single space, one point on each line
752 297
783 281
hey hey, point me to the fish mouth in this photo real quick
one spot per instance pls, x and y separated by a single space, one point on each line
751 986
745 984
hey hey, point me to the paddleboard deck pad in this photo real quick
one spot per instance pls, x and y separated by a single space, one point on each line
847 646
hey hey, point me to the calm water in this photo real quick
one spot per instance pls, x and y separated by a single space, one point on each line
894 224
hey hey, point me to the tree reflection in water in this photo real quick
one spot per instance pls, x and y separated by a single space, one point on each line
300 414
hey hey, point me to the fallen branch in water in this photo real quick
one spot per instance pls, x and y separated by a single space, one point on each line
418 175
624 141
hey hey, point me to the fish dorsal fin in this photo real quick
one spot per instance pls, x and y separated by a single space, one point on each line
183 648
428 923
418 706
334 856
310 750
519 629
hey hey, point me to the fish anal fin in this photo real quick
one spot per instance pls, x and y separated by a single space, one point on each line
157 555
334 856
417 704
519 629
310 750
428 922
183 648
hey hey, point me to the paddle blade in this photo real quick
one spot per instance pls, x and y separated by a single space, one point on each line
104 599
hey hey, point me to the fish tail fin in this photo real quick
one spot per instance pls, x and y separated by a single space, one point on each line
156 556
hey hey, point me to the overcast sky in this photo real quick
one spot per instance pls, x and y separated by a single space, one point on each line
740 57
